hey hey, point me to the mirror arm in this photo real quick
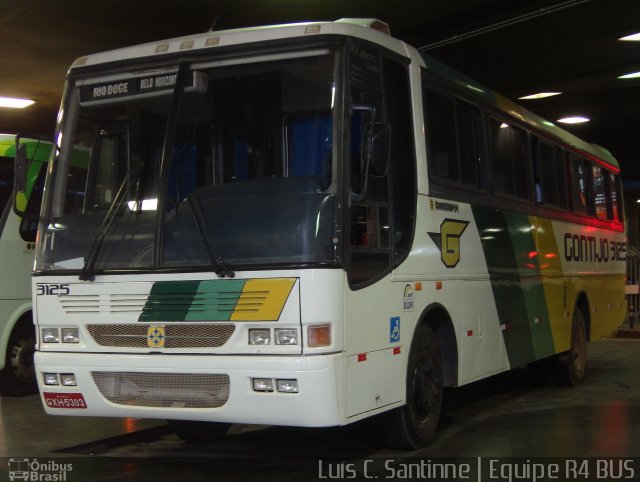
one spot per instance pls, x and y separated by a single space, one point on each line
20 178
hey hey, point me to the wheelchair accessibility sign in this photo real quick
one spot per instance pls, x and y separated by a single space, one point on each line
394 329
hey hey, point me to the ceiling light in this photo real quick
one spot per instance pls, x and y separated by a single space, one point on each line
632 75
631 38
576 119
15 103
540 95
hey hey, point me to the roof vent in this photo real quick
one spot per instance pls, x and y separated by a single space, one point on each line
372 23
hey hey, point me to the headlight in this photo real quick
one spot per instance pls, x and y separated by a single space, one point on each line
70 335
50 335
68 380
259 336
263 384
51 379
286 336
288 386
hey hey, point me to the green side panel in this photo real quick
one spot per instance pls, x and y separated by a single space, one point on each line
509 249
192 300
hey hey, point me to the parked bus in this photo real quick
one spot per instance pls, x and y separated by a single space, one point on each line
309 225
17 243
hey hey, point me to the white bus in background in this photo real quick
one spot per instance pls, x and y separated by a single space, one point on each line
17 243
310 225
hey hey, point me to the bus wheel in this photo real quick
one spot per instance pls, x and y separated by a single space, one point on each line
413 425
198 432
18 377
572 365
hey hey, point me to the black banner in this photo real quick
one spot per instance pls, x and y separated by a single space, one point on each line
116 89
246 468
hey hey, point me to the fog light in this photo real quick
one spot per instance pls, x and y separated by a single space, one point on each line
319 335
70 335
51 379
288 386
286 336
68 379
263 384
260 336
50 335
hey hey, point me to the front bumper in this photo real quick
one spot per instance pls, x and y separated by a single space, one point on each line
315 405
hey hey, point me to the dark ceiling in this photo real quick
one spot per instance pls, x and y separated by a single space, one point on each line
516 47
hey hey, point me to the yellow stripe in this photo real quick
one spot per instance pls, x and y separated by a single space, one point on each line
605 293
554 284
262 299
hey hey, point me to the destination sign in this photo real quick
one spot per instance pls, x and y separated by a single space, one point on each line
133 87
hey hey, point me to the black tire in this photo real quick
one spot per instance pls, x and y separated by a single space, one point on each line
198 432
413 425
572 365
18 377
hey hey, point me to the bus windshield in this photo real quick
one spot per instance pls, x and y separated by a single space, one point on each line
229 160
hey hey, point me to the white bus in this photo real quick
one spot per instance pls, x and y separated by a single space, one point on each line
17 243
309 225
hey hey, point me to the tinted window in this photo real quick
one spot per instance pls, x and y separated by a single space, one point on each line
454 139
470 144
550 182
599 191
581 186
616 199
510 165
441 136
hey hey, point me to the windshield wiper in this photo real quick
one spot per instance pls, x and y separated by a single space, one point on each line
220 267
88 270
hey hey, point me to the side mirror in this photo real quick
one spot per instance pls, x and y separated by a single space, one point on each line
374 155
20 179
377 148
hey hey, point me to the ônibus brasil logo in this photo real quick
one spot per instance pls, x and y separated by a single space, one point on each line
35 471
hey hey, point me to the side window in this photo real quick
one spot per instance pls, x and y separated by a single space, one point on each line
509 159
600 194
581 190
550 174
470 142
454 139
370 241
441 136
382 200
615 197
402 163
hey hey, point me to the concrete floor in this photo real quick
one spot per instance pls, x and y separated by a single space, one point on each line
505 416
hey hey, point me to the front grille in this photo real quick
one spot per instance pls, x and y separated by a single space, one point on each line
92 304
166 390
181 335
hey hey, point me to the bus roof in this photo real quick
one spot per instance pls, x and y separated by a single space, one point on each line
367 29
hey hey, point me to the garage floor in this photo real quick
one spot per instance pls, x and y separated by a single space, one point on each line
505 416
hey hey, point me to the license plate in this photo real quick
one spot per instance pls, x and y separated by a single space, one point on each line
64 400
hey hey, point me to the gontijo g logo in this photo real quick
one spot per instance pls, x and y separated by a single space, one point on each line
448 240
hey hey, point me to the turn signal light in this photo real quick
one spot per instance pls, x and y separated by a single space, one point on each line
319 335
